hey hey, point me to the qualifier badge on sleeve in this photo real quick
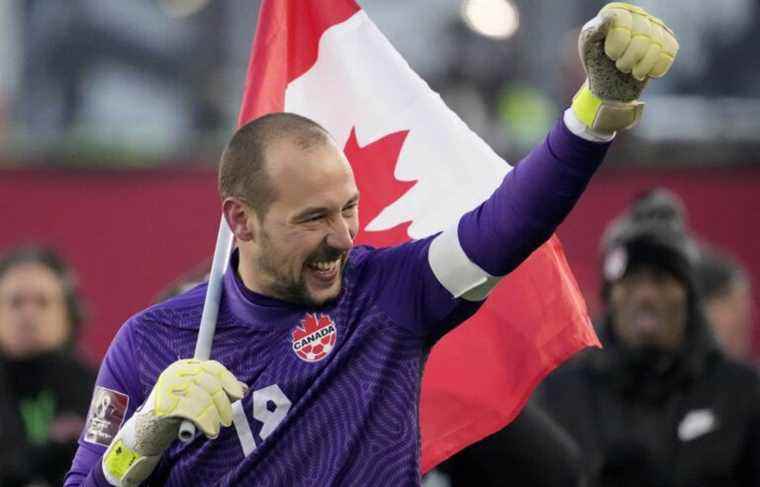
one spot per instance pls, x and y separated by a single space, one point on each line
107 411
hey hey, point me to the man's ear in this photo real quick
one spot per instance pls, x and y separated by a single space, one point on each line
240 217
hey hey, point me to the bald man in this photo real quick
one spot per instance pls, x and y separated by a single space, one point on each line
320 344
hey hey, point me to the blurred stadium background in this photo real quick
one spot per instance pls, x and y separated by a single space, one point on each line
113 114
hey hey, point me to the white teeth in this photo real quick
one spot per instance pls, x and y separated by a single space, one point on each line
325 266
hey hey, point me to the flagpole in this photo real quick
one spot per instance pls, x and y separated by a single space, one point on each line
210 309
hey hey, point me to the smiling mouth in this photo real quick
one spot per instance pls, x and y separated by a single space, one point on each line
324 272
325 266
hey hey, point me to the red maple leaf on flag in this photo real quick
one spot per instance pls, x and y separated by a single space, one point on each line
374 165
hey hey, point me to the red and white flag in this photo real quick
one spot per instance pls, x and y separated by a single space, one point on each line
419 168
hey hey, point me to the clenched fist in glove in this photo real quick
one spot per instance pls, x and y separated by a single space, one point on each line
199 391
621 48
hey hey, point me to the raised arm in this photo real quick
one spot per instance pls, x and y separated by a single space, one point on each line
438 282
621 48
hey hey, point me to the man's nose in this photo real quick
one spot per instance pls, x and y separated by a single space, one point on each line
647 289
341 236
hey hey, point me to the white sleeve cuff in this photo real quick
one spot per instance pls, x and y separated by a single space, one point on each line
580 129
455 271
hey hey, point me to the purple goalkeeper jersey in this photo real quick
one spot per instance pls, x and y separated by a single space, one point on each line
333 392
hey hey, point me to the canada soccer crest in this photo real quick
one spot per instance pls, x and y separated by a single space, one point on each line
315 338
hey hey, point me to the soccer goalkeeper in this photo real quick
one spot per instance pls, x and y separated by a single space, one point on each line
330 339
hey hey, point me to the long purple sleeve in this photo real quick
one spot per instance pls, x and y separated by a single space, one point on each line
531 202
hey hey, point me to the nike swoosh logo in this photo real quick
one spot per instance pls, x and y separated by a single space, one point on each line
697 423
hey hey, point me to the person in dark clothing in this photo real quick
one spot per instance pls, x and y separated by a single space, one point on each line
44 389
660 405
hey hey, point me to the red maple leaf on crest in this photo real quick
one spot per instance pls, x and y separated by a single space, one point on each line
310 324
374 165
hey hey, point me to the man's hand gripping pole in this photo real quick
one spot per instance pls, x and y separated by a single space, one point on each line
210 309
198 391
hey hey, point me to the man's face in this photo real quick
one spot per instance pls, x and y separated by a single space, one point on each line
649 308
33 316
301 245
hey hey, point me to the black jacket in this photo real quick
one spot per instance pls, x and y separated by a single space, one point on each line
691 418
533 450
43 405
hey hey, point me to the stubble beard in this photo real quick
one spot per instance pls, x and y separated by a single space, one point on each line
292 289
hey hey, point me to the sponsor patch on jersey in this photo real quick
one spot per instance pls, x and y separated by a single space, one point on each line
107 411
315 338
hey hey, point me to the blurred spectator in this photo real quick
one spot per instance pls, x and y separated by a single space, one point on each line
727 301
660 405
45 390
511 457
724 284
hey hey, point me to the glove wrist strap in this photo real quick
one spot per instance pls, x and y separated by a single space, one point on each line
605 116
138 446
124 467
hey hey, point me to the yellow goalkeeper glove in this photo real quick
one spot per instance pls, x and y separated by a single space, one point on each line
199 391
621 48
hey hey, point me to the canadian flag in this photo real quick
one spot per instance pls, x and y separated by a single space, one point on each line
419 168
